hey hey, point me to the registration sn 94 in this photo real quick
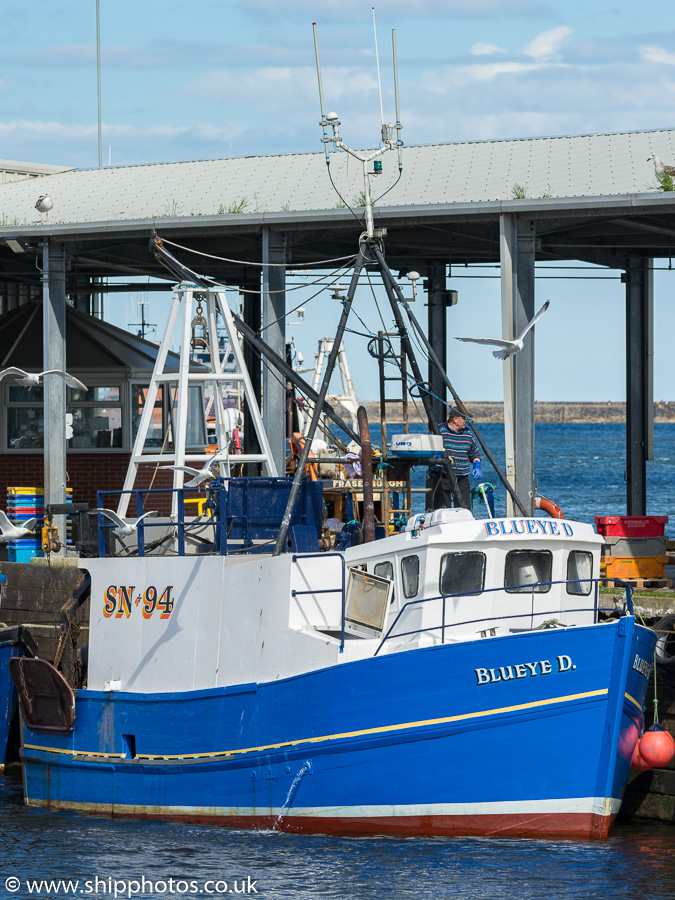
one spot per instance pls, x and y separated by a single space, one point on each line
120 601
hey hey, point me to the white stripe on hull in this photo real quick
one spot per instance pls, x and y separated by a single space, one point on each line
599 806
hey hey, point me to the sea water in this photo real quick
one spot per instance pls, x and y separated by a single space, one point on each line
60 854
581 467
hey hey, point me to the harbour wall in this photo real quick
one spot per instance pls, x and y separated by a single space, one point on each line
570 411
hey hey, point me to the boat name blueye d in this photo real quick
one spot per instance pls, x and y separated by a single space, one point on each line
528 526
642 666
523 670
119 601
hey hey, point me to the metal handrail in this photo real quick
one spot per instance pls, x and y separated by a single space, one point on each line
180 524
596 581
294 593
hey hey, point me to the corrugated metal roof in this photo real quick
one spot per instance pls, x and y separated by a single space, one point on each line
90 343
556 167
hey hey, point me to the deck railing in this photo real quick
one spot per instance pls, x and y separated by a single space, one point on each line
443 626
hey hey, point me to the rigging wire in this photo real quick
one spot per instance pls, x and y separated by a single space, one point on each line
362 222
248 262
302 302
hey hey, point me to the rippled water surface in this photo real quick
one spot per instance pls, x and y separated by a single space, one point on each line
636 862
580 467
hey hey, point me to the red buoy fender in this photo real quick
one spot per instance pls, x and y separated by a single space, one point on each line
549 507
637 762
657 746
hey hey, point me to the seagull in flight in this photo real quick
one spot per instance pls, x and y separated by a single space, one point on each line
509 348
9 531
124 529
30 379
200 475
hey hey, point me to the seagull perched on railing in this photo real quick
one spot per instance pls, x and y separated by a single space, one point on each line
661 168
30 379
10 531
123 528
200 475
509 348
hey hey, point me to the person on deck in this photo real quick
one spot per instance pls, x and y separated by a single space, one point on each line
460 445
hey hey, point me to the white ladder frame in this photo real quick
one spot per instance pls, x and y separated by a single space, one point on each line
216 301
348 396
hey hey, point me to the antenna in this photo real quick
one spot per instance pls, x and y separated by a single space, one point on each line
399 142
324 123
377 60
388 140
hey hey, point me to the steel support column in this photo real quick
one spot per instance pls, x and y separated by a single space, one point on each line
274 335
252 317
639 280
54 357
438 337
517 257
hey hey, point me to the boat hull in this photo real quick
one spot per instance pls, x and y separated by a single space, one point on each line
525 735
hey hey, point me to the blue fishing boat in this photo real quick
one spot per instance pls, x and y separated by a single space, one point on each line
457 678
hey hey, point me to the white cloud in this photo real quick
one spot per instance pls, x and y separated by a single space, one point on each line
547 44
657 55
482 49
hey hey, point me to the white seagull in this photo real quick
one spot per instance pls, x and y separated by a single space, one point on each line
660 168
9 531
43 205
509 348
200 475
123 528
30 379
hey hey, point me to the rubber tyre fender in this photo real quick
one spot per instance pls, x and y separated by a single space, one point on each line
664 652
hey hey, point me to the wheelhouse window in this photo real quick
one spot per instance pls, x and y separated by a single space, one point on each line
385 570
410 574
462 573
525 568
579 567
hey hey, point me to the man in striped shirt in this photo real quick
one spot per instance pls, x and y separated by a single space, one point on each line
460 445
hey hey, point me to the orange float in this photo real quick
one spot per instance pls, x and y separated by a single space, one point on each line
657 746
549 507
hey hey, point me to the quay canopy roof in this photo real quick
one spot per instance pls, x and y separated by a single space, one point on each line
593 197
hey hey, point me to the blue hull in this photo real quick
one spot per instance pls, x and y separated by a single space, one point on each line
8 700
530 734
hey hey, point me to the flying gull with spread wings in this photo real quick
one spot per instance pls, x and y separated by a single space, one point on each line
123 528
32 379
200 475
9 531
508 348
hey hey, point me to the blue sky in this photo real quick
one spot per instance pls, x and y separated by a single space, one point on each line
210 79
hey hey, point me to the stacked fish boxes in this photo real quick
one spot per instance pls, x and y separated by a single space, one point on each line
635 546
24 503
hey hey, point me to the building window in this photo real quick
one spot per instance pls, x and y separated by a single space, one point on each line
410 572
97 418
462 573
525 568
579 566
160 429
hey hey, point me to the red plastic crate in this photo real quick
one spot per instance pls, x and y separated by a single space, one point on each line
631 526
